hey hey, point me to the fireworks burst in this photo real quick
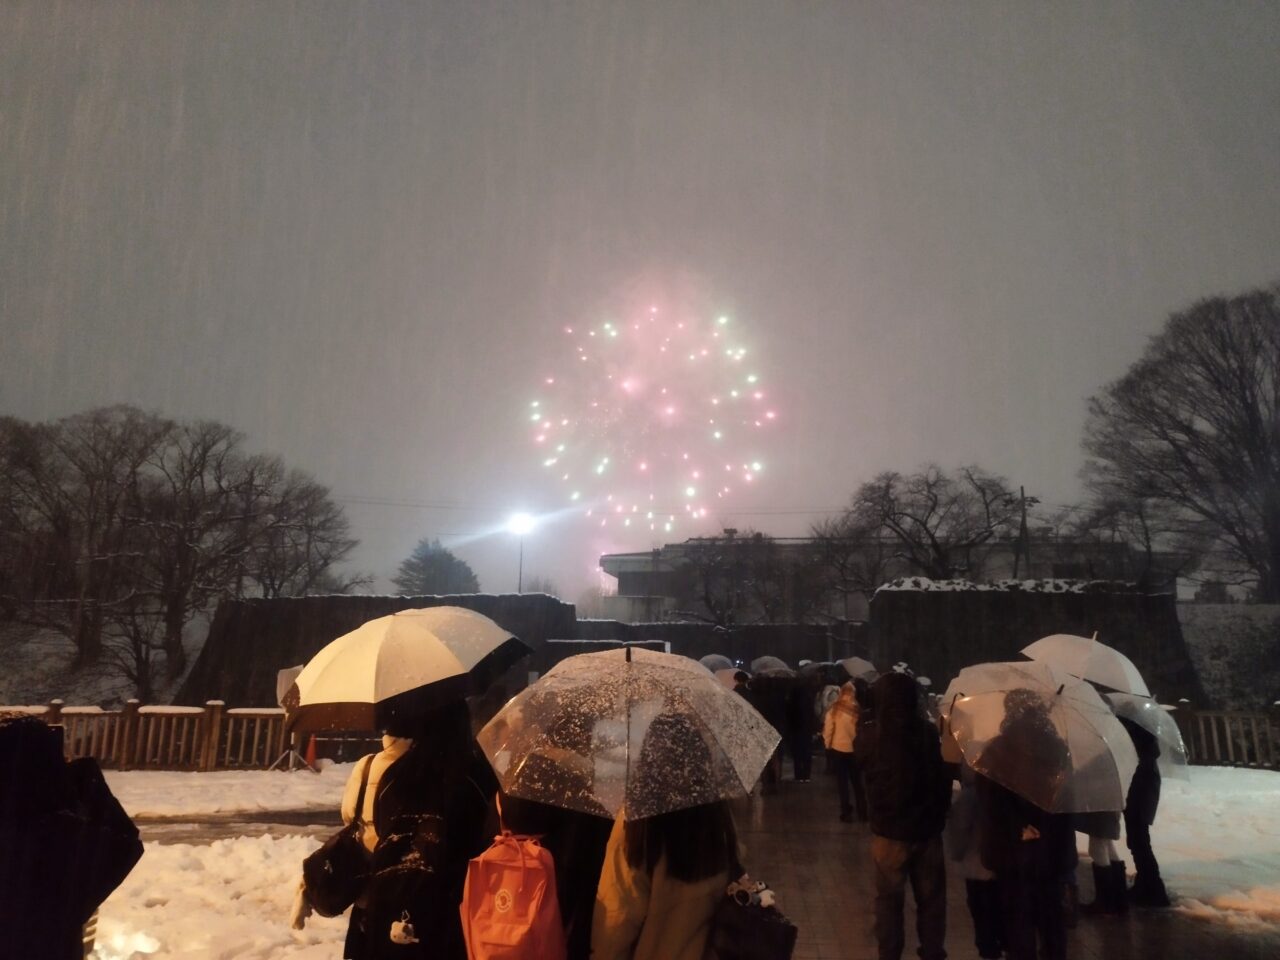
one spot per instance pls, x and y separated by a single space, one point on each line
656 420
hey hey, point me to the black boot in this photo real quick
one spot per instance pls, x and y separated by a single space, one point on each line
1103 898
1148 891
1119 887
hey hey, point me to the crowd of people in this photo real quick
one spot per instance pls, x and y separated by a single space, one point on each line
647 889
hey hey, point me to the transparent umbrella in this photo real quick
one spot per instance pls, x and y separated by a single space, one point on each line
627 731
1153 718
1043 734
1086 658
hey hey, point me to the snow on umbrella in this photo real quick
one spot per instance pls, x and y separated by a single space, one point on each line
771 665
1089 660
858 667
400 666
716 661
628 731
1155 719
1043 734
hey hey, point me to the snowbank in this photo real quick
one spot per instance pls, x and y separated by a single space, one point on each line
1218 842
165 793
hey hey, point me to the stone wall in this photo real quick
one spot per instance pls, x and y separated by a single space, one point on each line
1236 650
938 632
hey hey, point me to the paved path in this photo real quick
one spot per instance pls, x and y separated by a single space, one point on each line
821 869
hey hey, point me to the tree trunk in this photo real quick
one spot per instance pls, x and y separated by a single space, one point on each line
175 655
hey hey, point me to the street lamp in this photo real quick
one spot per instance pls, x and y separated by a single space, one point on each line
519 524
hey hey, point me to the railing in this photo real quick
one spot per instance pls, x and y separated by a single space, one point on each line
1233 739
170 738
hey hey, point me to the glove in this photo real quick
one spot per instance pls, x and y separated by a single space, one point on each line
301 908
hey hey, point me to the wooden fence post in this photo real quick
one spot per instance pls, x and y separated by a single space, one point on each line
213 733
129 734
54 714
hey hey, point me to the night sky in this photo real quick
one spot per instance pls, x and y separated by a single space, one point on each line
356 230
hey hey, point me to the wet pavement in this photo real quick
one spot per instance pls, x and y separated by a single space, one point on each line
821 870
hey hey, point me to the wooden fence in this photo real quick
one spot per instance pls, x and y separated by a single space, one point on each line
1232 739
170 738
215 738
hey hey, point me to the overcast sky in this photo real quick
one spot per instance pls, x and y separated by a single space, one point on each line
352 229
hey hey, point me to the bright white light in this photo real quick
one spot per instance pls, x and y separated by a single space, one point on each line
520 524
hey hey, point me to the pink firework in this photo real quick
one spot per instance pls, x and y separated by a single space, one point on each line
654 419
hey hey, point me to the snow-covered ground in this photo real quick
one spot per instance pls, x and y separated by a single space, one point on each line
1218 840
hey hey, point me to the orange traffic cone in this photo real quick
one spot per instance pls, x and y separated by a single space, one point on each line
311 752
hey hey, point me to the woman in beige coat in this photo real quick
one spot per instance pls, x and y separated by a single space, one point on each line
661 882
664 875
839 731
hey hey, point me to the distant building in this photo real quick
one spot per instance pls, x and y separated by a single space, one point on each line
789 579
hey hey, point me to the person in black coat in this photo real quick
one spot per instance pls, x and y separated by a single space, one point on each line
65 843
1027 848
908 791
432 812
801 726
1140 808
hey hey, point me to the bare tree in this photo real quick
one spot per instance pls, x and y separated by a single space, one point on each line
545 585
75 482
940 524
1194 427
853 558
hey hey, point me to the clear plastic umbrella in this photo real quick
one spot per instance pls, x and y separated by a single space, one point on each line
1043 734
1090 660
627 731
1155 719
729 677
716 661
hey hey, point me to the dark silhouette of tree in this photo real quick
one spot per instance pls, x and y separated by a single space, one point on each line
938 523
433 570
118 527
1192 430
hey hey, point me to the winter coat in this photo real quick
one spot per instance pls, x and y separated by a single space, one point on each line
1144 790
908 786
840 725
961 839
639 916
1002 818
393 748
800 719
430 817
65 843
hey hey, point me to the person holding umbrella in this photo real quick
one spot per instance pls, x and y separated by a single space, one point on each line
664 875
426 794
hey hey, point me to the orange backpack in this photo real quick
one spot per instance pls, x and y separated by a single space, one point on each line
509 906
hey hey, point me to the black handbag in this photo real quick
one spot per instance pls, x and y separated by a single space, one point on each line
335 875
746 924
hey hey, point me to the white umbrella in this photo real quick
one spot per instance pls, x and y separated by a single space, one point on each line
1089 660
400 666
627 731
1043 734
1155 719
771 665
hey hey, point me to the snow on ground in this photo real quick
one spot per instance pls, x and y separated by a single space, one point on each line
165 793
1217 837
1218 842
